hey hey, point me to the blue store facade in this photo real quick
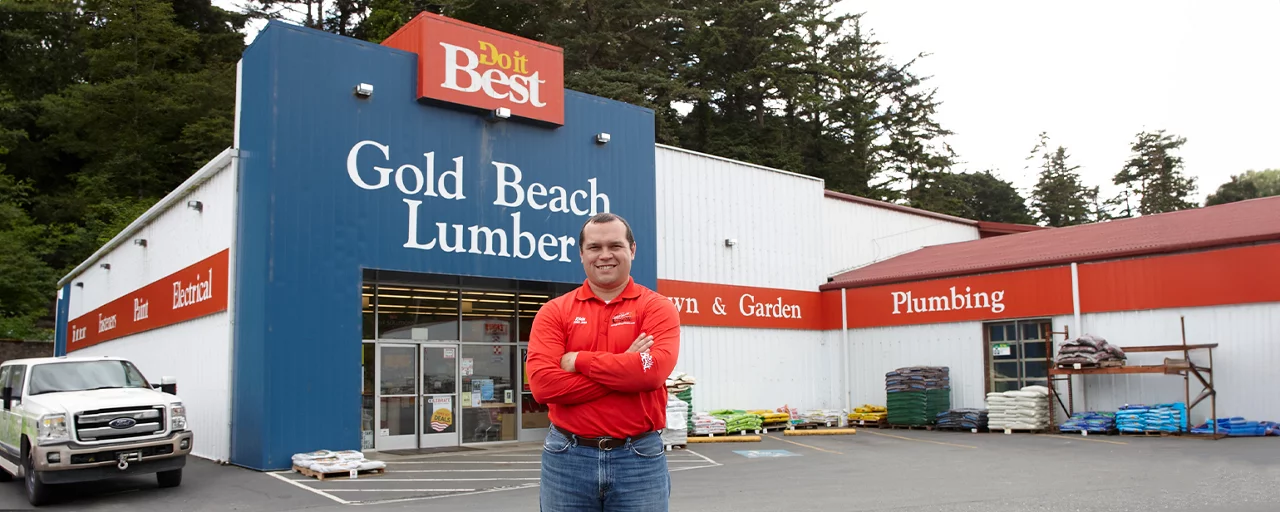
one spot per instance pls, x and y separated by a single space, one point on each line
430 231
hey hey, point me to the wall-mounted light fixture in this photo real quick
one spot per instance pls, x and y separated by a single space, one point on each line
140 241
105 265
364 90
80 284
499 113
195 205
602 138
730 242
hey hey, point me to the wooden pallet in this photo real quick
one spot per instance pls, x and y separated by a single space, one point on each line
1015 430
1152 433
677 447
869 424
345 475
961 429
910 427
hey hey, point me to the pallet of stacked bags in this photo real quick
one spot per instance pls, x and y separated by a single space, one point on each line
1026 409
681 385
1159 419
1239 427
707 425
771 419
1090 423
917 394
677 431
738 421
1089 351
869 415
963 419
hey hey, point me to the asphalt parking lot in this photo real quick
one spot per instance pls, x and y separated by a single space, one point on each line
880 470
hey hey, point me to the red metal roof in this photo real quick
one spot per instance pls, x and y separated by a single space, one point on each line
1233 223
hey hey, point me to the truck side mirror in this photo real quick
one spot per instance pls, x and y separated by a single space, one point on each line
169 385
6 394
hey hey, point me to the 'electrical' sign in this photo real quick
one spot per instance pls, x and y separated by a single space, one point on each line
474 66
193 292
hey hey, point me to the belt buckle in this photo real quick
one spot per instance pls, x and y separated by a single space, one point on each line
600 444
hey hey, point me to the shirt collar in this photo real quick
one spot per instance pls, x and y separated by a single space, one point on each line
632 291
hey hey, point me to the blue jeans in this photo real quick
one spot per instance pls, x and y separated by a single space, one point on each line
630 478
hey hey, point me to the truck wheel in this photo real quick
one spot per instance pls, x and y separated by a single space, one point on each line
169 478
38 493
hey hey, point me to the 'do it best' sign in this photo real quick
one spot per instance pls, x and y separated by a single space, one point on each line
470 65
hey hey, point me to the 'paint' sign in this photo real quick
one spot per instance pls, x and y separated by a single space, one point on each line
193 292
471 65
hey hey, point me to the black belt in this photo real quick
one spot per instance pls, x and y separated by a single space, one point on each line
601 443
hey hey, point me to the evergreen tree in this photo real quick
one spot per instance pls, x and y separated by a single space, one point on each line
1154 174
105 106
978 196
1250 185
1060 198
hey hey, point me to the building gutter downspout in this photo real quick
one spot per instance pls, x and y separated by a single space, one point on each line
844 361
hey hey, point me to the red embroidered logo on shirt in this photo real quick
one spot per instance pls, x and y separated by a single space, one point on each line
622 319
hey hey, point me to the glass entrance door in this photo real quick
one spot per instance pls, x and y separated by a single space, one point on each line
439 404
397 396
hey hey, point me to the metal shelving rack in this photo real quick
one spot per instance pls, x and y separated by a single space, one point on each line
1184 367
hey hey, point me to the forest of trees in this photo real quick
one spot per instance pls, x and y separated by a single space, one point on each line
107 105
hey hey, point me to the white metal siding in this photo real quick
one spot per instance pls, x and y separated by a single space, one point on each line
774 215
876 351
855 235
1244 361
761 368
196 352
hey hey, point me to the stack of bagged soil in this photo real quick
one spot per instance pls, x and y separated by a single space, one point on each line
917 394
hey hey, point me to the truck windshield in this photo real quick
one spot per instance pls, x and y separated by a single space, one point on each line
85 375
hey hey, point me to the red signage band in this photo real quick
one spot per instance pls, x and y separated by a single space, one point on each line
1018 294
718 305
1240 275
470 65
193 292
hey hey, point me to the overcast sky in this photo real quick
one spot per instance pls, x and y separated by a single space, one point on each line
1093 74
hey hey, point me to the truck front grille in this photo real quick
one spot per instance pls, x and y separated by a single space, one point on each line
119 424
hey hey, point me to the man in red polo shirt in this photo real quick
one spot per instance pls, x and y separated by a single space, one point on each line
599 358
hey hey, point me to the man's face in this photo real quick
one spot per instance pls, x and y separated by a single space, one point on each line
606 255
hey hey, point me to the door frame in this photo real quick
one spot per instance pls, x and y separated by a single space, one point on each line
434 440
989 358
403 441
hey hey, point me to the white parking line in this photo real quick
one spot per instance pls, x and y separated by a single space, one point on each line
466 462
291 481
402 490
684 461
380 479
424 498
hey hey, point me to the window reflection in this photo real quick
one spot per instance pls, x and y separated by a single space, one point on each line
410 313
488 316
490 410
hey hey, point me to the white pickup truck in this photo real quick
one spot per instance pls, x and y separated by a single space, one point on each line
78 419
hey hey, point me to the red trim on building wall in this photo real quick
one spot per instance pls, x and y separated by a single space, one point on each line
1020 294
193 292
719 305
1239 275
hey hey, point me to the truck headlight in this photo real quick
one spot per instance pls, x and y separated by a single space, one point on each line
177 417
52 429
